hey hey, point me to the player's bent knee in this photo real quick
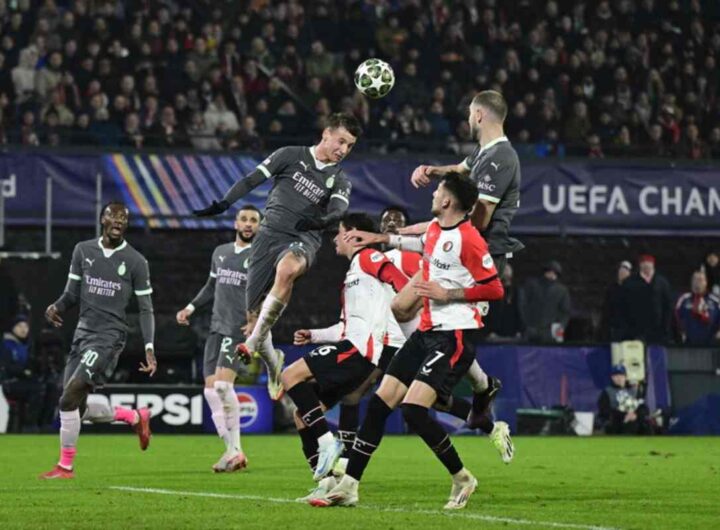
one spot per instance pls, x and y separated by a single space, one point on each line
73 396
414 414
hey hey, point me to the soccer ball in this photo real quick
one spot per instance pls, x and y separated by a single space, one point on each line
374 78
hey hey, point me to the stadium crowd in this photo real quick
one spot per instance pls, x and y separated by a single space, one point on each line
592 78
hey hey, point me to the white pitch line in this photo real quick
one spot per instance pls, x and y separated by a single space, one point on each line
463 515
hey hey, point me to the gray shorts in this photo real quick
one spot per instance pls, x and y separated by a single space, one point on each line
93 357
267 250
220 353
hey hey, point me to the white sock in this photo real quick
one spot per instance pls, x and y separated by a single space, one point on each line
477 378
231 407
326 438
98 412
267 351
270 312
218 415
69 427
408 328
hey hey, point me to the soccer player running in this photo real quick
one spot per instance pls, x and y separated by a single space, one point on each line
457 273
348 361
495 169
103 276
310 193
225 287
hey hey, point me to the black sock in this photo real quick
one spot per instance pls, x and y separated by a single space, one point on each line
309 446
433 435
485 424
460 408
309 408
348 424
368 437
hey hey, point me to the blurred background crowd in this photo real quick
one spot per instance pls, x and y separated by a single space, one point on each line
588 77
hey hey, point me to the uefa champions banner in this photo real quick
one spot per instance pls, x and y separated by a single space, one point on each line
182 408
557 197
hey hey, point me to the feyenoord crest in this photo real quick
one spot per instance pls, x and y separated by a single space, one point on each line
330 182
447 246
122 269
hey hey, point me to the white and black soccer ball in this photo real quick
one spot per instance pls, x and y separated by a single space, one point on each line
374 78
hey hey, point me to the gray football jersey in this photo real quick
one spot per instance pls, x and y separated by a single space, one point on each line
302 189
108 279
229 269
496 172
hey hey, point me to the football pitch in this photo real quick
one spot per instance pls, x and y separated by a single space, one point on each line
574 483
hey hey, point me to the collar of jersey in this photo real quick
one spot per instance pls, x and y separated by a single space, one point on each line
453 227
107 252
238 249
494 142
318 164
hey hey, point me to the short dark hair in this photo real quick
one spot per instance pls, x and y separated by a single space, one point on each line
358 221
250 207
113 202
493 101
462 189
396 208
348 121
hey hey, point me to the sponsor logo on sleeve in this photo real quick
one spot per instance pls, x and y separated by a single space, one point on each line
487 261
376 256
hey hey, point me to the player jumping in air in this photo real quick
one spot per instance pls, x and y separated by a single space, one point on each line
495 169
225 287
457 274
103 276
352 349
310 193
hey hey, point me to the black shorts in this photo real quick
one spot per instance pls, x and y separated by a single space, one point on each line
437 358
388 352
220 353
338 370
93 357
267 250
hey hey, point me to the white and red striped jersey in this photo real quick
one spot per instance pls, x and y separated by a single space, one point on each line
365 304
456 257
409 264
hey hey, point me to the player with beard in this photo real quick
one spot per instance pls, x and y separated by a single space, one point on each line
457 274
225 287
104 274
494 167
310 193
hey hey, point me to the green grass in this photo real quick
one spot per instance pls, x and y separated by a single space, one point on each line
553 482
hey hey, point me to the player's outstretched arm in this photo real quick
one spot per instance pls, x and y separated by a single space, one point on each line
204 297
423 175
359 238
417 229
235 193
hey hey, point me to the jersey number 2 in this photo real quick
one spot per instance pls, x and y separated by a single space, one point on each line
225 344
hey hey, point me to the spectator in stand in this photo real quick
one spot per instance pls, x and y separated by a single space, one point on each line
647 304
16 377
132 133
697 314
612 325
201 136
621 410
167 133
504 321
545 306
